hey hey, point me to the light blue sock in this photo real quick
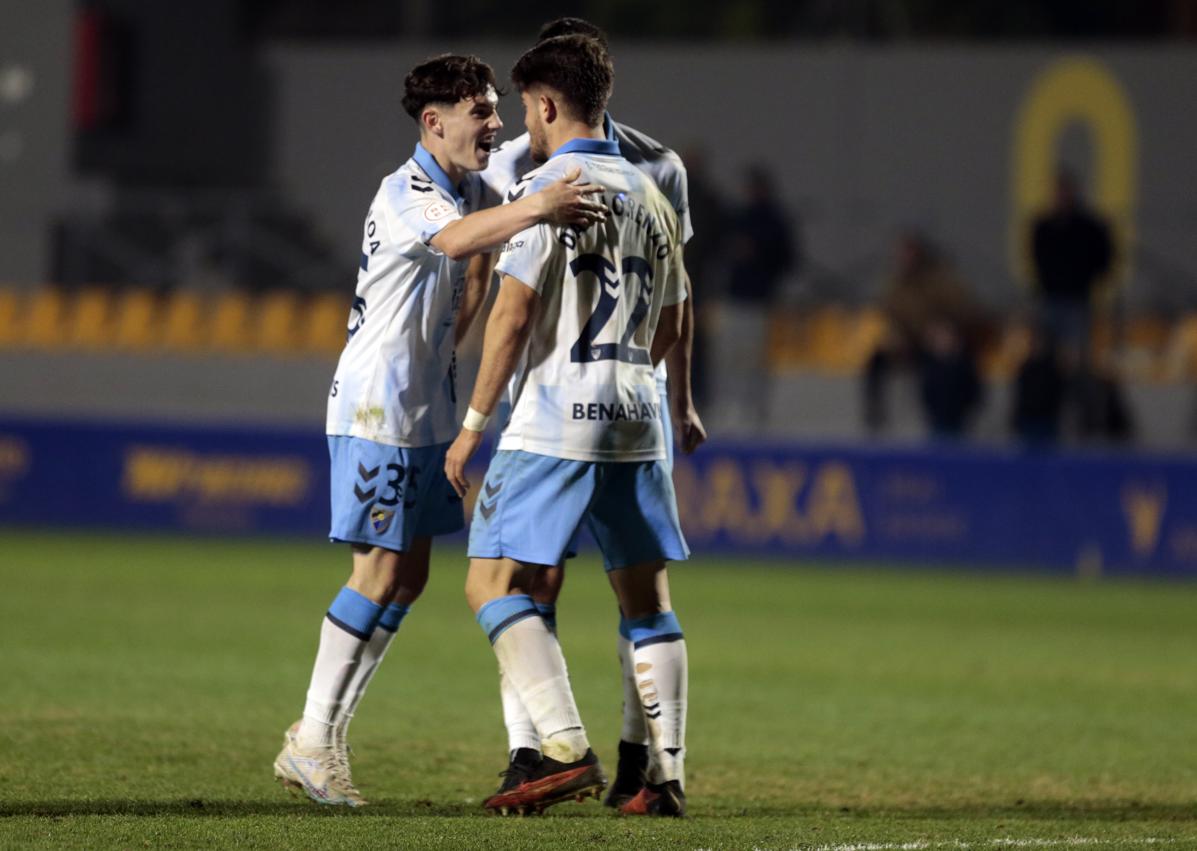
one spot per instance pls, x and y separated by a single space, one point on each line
355 613
496 616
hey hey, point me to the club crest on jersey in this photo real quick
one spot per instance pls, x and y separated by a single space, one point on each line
438 210
380 519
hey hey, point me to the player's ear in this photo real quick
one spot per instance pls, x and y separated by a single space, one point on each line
430 121
548 108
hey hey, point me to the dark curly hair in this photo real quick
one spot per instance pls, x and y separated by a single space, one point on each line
572 26
574 65
445 79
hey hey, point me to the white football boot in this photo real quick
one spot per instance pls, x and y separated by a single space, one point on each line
320 773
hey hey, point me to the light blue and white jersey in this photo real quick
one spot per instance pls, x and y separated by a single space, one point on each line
584 388
513 159
395 380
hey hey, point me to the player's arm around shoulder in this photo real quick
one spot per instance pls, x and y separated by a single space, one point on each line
561 202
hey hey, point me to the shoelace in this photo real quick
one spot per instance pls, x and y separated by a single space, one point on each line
339 769
516 772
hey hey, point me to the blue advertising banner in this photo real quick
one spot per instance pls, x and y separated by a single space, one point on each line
1087 513
1090 513
163 477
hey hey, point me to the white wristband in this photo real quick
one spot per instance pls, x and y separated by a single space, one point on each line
475 420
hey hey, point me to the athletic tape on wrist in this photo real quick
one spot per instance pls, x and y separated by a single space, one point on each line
475 420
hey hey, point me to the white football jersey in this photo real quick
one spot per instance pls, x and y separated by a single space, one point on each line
395 380
585 388
513 159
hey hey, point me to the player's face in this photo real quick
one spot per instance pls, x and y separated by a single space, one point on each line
471 128
538 137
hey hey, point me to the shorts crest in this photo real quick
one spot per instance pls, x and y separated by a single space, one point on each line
380 519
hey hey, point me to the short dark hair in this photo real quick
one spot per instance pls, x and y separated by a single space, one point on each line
574 65
572 26
447 78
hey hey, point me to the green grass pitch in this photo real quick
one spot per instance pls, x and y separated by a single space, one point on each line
145 683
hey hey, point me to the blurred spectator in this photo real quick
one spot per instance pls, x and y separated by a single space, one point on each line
1103 413
1039 392
762 252
934 327
763 249
709 217
1072 252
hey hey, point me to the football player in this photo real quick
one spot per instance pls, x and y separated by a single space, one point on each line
582 318
504 178
392 403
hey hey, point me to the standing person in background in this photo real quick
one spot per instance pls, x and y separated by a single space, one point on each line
763 251
505 179
1038 392
933 327
392 408
1072 251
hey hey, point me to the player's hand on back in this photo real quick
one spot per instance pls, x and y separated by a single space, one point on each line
565 202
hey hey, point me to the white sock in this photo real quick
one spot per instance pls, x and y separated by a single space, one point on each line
337 661
531 659
521 732
376 648
661 678
372 655
635 729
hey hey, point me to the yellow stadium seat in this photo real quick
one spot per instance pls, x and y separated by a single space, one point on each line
11 327
1002 357
90 325
1180 356
1144 347
323 323
787 346
44 315
230 330
135 325
184 322
862 333
276 323
829 330
1149 332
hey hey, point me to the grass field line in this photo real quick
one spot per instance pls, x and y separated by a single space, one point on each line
1006 842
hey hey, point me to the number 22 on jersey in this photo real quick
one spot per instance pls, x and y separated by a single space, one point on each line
585 350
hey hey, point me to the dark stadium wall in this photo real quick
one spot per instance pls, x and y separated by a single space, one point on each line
35 90
185 102
958 141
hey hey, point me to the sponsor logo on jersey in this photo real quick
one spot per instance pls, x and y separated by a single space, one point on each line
438 210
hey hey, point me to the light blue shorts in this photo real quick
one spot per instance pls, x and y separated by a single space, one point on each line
384 496
667 426
530 507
